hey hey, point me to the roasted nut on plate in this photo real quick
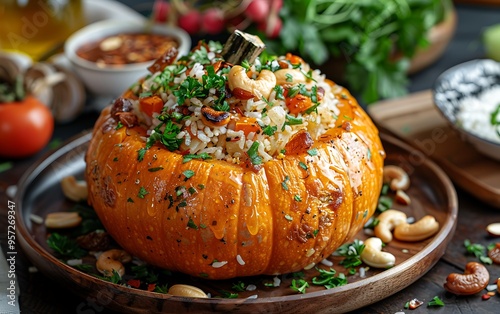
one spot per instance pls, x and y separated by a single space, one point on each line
474 279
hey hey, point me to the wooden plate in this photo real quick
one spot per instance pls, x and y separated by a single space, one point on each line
417 121
431 191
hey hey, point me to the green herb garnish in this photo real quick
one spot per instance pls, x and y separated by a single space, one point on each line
142 192
436 301
253 154
65 246
299 285
351 253
329 278
478 250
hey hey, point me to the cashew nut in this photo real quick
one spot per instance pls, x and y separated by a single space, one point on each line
213 117
388 220
62 220
73 189
494 253
402 197
260 87
112 260
289 76
397 178
418 231
474 279
373 256
187 291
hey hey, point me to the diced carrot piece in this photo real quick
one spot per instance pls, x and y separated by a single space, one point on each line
298 103
151 287
294 59
134 283
247 125
151 104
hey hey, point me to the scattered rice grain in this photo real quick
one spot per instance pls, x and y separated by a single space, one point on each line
219 264
36 219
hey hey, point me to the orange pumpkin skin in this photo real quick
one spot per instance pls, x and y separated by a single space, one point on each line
277 220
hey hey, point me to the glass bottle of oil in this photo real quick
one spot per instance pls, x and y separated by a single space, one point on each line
38 27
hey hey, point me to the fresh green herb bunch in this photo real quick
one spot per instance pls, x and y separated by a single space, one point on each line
374 38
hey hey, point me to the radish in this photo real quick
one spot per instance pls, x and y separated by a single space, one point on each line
271 27
190 21
160 11
212 21
257 10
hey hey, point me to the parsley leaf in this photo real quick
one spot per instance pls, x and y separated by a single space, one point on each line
190 157
436 301
299 285
188 173
65 246
142 192
478 250
253 154
352 253
329 279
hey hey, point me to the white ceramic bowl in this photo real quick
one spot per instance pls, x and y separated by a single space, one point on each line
470 83
112 81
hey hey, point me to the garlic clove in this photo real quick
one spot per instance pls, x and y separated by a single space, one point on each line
494 229
69 97
13 65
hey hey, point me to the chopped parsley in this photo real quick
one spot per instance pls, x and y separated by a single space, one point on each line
436 301
200 55
239 286
352 253
130 200
119 125
299 285
312 152
191 224
252 153
269 130
279 92
189 88
65 246
155 169
168 137
188 173
228 295
284 184
329 278
291 120
190 157
142 192
478 250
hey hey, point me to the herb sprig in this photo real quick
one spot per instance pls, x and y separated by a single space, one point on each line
365 34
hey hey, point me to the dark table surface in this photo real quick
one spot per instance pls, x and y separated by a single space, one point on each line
40 294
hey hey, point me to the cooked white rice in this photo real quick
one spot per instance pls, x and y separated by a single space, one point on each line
223 142
475 114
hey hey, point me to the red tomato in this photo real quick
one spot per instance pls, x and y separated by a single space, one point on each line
25 127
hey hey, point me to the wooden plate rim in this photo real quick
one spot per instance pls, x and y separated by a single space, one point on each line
439 242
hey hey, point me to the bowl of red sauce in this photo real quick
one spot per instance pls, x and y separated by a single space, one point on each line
111 55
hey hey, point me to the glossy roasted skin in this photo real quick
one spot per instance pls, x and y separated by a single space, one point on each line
226 221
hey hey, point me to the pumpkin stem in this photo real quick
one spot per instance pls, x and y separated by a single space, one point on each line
242 46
